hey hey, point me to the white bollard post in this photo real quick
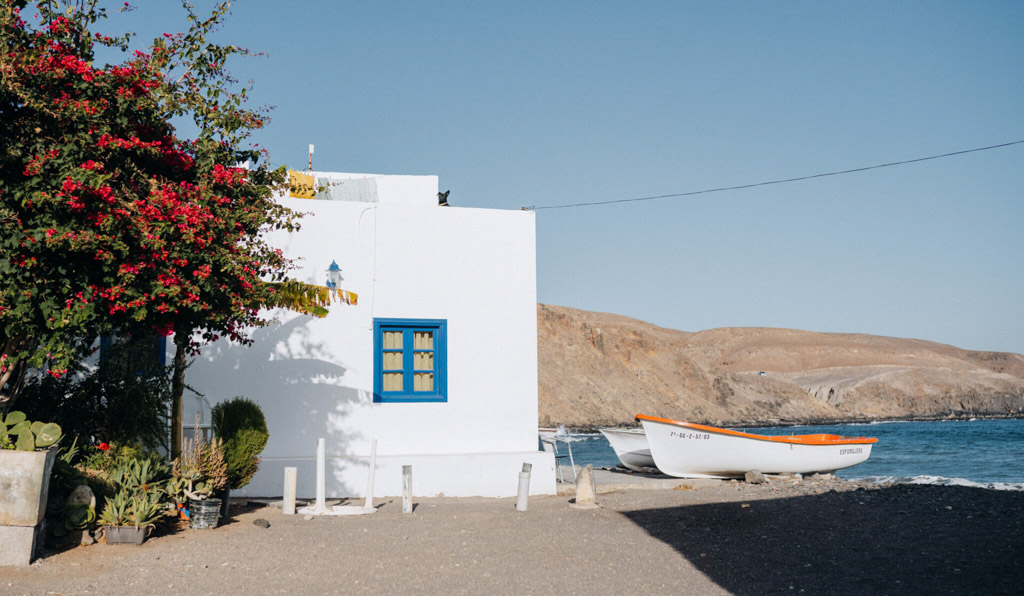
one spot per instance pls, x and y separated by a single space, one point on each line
321 485
524 487
373 465
290 477
406 489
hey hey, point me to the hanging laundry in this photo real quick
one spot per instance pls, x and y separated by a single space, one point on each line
301 186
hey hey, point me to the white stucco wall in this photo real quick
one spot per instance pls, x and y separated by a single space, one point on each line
474 268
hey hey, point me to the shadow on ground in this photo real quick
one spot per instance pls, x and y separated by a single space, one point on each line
898 539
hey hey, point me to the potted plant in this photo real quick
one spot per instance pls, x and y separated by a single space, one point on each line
140 501
26 458
130 519
240 424
200 472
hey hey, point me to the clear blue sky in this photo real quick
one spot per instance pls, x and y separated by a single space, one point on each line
547 103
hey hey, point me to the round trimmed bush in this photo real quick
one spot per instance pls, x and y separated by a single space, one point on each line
240 424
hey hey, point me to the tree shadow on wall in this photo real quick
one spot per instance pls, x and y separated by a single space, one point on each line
898 539
297 383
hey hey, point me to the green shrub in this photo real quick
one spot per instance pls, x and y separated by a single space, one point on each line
120 400
239 422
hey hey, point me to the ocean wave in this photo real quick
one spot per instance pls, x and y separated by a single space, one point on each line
943 481
577 437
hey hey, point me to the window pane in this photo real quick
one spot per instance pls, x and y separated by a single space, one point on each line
423 382
392 340
393 361
392 381
423 340
423 361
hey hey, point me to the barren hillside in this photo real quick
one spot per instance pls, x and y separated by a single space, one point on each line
603 369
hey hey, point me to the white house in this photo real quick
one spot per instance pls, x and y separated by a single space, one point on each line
437 360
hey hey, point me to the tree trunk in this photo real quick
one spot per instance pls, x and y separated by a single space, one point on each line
181 341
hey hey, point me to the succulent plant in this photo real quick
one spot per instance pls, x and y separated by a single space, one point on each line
75 517
116 511
202 468
140 496
18 433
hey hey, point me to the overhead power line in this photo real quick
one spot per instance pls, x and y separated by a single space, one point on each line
783 181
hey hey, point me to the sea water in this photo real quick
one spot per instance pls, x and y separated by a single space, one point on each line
987 453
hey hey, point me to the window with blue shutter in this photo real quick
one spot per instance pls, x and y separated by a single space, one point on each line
410 360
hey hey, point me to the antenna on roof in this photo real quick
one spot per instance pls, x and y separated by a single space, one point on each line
311 157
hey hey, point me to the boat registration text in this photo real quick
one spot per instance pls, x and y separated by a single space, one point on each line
682 435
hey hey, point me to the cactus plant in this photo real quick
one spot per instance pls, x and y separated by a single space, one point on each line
202 468
18 433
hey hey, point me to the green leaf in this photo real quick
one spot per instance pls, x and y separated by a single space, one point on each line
26 441
48 434
14 418
20 428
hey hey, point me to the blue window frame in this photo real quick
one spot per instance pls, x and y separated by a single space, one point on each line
410 360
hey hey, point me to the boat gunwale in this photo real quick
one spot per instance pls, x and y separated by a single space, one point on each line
815 439
631 431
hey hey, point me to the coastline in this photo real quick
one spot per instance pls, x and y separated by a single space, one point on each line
981 452
777 423
824 536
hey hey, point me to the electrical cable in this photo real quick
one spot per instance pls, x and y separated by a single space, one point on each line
783 181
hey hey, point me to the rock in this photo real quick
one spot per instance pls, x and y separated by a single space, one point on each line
586 490
82 495
261 523
754 477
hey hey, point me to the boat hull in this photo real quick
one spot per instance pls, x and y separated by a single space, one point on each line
687 450
631 447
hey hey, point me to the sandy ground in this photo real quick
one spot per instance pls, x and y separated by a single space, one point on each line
820 537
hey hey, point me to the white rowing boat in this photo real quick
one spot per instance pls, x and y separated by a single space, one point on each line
630 445
687 450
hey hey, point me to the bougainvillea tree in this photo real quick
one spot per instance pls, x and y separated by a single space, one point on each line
110 221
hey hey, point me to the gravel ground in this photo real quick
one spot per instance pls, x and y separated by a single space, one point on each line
827 536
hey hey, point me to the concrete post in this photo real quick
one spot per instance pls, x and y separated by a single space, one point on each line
406 489
368 504
524 487
586 489
290 478
321 484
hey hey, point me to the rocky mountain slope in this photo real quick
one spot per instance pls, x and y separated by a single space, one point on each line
602 369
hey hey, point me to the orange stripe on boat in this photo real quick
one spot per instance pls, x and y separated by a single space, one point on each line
819 439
